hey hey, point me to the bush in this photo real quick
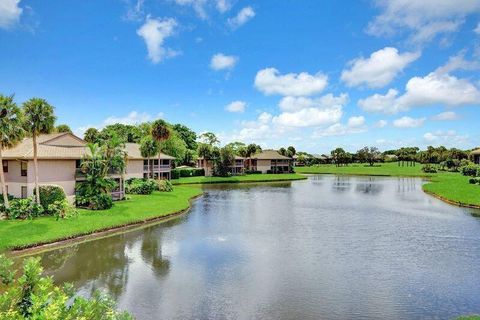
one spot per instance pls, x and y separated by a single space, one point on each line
253 172
49 195
31 295
269 171
24 209
102 201
140 186
193 172
473 181
62 209
165 186
428 168
470 170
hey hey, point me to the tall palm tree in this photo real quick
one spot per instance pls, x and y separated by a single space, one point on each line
251 150
148 149
39 119
11 133
160 133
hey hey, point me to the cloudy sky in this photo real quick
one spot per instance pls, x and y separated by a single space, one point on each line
315 74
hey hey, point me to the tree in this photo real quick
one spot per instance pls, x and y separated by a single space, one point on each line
187 135
126 132
160 132
31 295
11 133
251 150
368 155
224 161
340 157
204 151
175 147
92 135
237 147
209 138
39 119
149 148
63 128
282 151
291 151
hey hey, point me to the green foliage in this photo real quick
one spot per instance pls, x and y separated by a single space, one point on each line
92 135
187 135
223 162
474 181
160 130
49 195
101 201
39 116
34 296
209 138
24 209
63 128
164 186
471 170
428 168
61 209
341 157
124 132
175 147
368 155
193 172
140 186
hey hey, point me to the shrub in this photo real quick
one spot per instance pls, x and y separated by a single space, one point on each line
31 295
253 172
100 201
62 209
49 195
24 209
470 170
165 186
193 172
428 168
473 181
140 186
269 171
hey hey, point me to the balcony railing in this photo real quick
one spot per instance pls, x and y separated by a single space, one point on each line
163 168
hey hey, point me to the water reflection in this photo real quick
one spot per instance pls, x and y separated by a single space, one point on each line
326 248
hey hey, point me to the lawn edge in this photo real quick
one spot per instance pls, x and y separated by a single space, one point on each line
302 177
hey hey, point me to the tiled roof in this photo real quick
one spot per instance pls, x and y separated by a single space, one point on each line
270 155
63 146
476 151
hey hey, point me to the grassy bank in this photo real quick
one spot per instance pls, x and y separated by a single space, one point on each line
383 169
238 179
19 234
450 187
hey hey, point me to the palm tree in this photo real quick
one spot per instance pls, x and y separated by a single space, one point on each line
11 133
39 119
160 133
149 148
251 150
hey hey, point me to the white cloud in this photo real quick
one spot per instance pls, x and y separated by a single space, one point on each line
379 69
10 13
448 138
236 106
381 124
477 29
223 5
197 5
290 103
309 117
433 89
135 10
220 61
408 122
243 16
270 82
423 20
458 62
445 116
154 32
355 122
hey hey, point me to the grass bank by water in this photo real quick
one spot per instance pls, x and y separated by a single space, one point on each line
447 186
239 179
16 234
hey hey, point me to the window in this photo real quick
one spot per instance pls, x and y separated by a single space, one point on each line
24 192
5 166
145 162
23 169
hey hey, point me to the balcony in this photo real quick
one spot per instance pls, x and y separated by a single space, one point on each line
80 174
156 168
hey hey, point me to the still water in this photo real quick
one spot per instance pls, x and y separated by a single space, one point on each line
326 248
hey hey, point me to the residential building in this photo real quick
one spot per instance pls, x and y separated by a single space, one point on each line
271 161
475 155
238 167
59 161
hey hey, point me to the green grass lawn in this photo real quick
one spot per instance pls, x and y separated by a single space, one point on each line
454 187
18 233
238 179
383 169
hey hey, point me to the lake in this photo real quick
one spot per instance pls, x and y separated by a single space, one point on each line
330 247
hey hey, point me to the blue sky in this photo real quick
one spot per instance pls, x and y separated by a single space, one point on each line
315 74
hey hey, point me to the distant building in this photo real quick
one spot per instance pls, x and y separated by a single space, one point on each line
271 161
475 154
238 167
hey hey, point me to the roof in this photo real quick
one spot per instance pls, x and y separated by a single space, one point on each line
270 155
133 152
63 146
236 158
476 151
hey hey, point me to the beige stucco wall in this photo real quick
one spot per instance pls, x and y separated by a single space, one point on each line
14 174
134 169
53 172
264 165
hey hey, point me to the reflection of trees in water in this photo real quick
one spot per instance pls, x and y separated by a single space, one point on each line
151 251
406 185
369 186
341 183
101 263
